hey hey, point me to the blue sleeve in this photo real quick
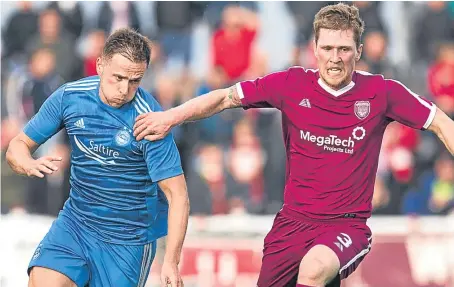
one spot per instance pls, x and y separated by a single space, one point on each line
163 159
162 156
48 120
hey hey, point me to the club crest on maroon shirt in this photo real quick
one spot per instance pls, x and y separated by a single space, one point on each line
362 109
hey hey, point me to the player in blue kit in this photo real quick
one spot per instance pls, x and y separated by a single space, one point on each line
125 194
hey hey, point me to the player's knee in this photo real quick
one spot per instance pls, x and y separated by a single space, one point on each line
318 267
312 272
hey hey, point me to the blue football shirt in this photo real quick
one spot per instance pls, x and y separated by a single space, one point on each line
113 179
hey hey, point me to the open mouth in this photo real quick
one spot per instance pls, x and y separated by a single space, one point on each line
334 71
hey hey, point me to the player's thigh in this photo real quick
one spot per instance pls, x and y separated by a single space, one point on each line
320 264
284 247
342 247
58 258
44 277
120 265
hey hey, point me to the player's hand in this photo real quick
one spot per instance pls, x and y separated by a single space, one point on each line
152 126
170 275
41 166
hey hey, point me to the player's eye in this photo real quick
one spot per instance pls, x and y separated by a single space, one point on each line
118 78
345 49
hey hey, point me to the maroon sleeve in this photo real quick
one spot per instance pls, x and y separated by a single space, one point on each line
265 92
407 107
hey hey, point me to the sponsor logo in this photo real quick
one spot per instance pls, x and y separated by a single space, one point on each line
105 155
359 133
333 143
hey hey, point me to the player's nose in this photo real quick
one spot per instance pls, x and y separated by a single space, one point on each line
335 57
123 89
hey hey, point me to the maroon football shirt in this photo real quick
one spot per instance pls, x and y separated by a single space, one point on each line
333 138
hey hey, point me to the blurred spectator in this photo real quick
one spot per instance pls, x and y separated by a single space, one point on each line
219 128
167 94
245 161
174 22
38 83
42 83
118 14
369 11
303 14
441 78
206 181
435 191
71 14
374 54
167 91
362 65
214 10
21 26
442 195
95 40
52 37
399 144
434 26
269 130
27 90
233 44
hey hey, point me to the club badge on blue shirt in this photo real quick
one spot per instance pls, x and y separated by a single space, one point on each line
122 138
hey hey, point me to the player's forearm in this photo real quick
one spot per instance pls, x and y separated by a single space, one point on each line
18 156
443 127
446 135
178 223
202 107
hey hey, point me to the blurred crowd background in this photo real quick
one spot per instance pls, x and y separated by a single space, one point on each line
235 161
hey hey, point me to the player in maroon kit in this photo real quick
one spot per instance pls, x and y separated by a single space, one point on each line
333 121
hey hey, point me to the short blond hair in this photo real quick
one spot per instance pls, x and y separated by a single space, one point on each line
339 17
128 43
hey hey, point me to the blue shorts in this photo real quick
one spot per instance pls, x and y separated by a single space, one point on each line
89 261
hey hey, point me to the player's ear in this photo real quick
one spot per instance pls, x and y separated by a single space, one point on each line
99 66
314 43
359 51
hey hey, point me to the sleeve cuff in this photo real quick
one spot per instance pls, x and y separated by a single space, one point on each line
168 173
433 110
239 89
33 134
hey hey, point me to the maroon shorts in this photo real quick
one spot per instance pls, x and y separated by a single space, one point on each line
290 239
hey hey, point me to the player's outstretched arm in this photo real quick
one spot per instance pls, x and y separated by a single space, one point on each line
176 192
19 158
443 127
156 125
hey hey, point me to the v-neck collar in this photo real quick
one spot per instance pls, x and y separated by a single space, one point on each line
324 89
333 92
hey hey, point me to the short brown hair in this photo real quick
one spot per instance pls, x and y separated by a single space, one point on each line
339 17
128 43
